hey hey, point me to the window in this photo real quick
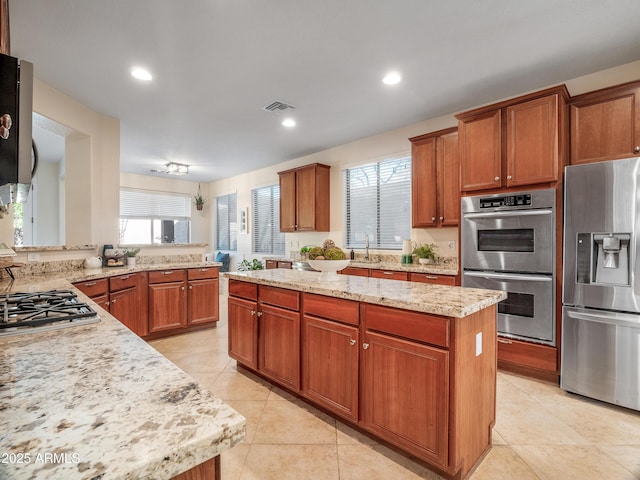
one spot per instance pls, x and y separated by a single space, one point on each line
378 204
266 234
227 222
154 217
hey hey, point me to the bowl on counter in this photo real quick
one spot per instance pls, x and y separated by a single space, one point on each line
328 268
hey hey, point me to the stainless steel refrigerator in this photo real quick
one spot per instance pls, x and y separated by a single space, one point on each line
601 294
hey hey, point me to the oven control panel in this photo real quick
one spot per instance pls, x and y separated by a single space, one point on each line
506 201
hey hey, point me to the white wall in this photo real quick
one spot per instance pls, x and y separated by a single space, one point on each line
390 144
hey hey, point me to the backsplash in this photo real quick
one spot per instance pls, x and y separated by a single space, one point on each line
393 258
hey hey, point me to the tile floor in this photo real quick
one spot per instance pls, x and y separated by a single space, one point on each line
541 432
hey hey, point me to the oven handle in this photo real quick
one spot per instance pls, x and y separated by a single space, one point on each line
511 213
508 276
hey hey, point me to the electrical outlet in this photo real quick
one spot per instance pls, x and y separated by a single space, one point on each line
478 344
452 245
33 257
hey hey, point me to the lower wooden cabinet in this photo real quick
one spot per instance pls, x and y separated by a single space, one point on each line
434 279
202 295
167 300
389 274
243 331
279 345
128 301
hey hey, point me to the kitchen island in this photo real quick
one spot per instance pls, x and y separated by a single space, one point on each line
96 401
412 364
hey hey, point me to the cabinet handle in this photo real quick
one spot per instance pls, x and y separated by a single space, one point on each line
167 273
90 284
636 150
114 300
107 303
387 273
253 312
352 342
495 179
181 288
125 277
203 269
441 218
504 340
431 277
259 314
190 287
365 345
433 219
508 177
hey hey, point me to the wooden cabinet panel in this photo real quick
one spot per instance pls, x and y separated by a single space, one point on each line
516 353
269 264
345 311
304 199
164 276
605 125
202 273
431 278
480 152
279 297
93 288
330 365
357 271
243 289
448 173
202 301
389 274
424 210
124 306
167 306
400 376
209 470
123 281
288 201
532 142
102 301
243 331
283 264
279 345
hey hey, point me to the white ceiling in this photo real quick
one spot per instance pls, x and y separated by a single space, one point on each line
217 63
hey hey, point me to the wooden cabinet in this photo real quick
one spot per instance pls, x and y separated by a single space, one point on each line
167 300
515 143
279 345
304 199
357 271
435 279
127 301
388 274
330 347
605 124
277 264
435 184
243 331
202 295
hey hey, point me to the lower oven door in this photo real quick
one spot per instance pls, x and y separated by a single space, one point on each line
528 312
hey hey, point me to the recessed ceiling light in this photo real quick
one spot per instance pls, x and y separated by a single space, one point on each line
141 74
289 122
391 78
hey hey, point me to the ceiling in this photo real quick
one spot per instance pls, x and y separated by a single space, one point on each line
217 63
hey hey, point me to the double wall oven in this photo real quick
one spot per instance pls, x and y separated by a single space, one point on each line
508 243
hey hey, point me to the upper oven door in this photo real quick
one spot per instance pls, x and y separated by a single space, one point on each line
509 240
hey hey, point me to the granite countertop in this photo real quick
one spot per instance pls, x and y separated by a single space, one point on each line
435 299
97 401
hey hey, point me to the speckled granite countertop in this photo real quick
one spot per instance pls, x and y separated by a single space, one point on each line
436 299
96 401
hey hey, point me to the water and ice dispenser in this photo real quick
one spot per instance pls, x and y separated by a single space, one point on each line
603 258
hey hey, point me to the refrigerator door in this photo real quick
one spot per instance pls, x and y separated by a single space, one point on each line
600 354
601 229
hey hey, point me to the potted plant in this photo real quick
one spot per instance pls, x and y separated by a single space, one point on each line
254 264
131 253
198 199
425 253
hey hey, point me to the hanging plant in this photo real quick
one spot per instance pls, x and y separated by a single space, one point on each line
198 199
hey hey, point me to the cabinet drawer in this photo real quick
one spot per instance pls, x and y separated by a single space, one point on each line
243 289
389 274
269 264
417 326
431 278
202 273
357 271
93 288
527 354
122 282
284 264
280 297
164 276
345 311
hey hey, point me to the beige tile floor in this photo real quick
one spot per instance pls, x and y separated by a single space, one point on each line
541 432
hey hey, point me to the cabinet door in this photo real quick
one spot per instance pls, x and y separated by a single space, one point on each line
167 306
124 306
400 376
288 201
202 301
480 152
279 345
448 173
605 126
330 365
532 142
243 331
306 199
102 301
423 183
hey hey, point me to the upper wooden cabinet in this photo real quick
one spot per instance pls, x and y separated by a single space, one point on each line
514 143
435 179
304 199
605 124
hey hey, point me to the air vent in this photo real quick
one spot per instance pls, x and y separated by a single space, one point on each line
277 105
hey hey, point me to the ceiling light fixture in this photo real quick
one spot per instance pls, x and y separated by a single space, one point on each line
141 74
289 122
173 168
391 78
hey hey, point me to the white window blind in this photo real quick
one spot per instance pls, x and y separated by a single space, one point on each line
266 235
378 204
227 222
151 204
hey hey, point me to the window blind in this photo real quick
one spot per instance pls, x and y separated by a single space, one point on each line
266 236
227 222
378 204
150 204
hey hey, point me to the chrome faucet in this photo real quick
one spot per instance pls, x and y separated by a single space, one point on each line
366 247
